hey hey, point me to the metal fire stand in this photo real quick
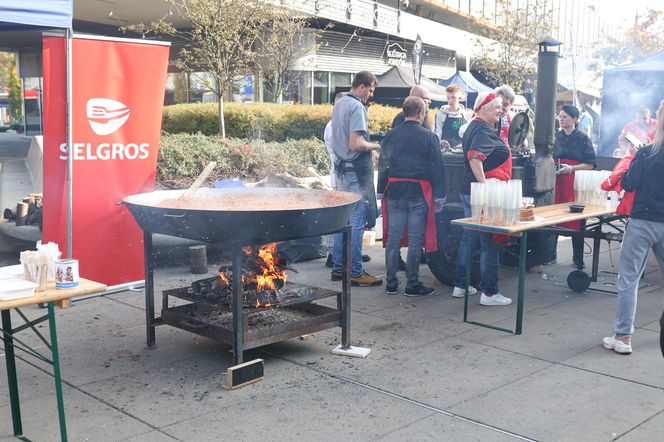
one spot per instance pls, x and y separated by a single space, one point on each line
239 333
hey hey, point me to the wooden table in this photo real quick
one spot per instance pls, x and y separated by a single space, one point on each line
52 297
545 216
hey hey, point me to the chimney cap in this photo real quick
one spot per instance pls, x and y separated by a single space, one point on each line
549 41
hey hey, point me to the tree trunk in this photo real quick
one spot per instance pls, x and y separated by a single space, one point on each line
222 125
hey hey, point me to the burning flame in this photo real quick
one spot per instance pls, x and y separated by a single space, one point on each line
268 274
271 273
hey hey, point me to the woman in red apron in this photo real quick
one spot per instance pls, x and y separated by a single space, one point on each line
487 158
572 151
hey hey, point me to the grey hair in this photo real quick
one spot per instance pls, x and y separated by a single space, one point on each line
506 92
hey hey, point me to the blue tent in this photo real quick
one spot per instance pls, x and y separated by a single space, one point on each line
625 89
469 84
24 15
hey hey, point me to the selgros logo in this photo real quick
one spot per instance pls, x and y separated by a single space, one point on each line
105 115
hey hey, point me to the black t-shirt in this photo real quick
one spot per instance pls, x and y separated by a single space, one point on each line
576 147
481 137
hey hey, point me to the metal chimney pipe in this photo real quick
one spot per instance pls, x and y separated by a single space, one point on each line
545 108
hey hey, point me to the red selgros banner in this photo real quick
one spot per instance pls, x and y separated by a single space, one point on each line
118 95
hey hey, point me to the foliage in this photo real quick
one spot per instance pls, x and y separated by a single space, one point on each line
6 64
15 93
283 40
645 38
183 156
512 59
272 122
220 38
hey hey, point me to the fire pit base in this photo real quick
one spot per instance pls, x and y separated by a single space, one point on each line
261 327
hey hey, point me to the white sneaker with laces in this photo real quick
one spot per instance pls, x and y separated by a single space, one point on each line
496 299
460 292
615 344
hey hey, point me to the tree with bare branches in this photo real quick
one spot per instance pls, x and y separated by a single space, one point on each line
284 40
220 38
512 56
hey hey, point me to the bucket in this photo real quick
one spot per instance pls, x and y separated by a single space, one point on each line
66 273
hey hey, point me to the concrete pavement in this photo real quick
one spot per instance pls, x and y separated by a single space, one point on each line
429 376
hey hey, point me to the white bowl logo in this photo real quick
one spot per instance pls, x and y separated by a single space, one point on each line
105 115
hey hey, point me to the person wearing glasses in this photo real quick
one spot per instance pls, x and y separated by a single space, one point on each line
416 91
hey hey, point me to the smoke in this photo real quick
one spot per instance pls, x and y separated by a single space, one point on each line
626 90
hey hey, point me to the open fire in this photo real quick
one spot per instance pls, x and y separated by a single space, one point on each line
263 275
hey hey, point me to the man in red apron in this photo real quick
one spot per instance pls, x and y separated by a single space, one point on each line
572 151
411 181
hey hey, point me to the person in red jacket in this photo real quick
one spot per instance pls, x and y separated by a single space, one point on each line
614 181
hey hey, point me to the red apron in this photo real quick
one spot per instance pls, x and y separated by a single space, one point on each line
430 238
565 192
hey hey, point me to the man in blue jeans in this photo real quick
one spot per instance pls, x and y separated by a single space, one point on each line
354 169
411 178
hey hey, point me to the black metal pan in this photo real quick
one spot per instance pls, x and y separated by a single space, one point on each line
245 216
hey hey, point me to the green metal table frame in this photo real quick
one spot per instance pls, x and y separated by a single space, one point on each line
523 249
12 343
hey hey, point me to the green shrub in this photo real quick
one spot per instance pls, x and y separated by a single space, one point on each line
267 121
183 156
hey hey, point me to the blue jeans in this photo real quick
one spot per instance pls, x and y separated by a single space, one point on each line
640 236
348 182
402 212
488 257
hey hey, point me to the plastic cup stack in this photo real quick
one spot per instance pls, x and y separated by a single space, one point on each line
587 187
496 202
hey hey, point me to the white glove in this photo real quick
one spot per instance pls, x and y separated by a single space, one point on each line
565 169
439 203
379 196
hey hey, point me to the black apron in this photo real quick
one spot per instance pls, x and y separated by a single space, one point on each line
363 167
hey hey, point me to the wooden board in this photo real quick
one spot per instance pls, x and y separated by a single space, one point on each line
244 374
59 296
545 216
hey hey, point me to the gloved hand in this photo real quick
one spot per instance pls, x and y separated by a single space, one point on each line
565 169
379 196
438 204
444 145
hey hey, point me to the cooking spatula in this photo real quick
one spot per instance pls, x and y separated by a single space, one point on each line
197 183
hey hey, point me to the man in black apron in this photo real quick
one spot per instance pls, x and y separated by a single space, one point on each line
354 169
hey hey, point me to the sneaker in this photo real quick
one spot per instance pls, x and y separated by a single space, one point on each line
366 258
392 287
460 292
618 344
365 280
328 262
418 289
496 299
337 276
536 269
550 263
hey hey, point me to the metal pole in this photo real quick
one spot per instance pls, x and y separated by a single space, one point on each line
238 329
523 251
70 137
56 372
149 288
345 289
12 379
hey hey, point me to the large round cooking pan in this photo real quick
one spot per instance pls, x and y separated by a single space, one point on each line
247 215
